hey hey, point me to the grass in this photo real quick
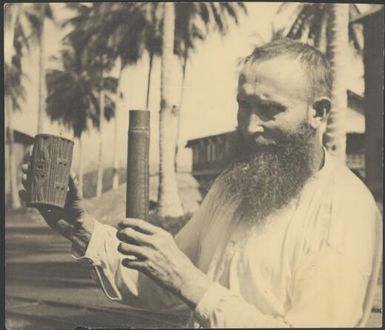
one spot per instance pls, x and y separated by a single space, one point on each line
172 225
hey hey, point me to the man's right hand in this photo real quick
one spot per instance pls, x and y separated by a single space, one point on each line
72 221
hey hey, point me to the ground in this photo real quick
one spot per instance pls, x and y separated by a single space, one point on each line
47 289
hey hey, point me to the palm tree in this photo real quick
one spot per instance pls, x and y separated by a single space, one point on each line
99 184
168 199
15 201
119 101
13 87
74 91
139 26
16 42
309 22
338 48
326 26
45 11
31 18
11 17
134 28
190 18
127 29
87 23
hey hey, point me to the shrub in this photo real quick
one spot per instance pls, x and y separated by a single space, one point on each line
172 225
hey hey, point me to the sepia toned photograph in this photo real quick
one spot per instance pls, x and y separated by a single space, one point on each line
193 165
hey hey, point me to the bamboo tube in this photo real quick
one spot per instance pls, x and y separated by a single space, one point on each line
137 197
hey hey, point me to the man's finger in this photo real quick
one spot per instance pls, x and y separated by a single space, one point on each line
74 177
129 249
23 195
133 264
28 154
24 180
139 225
73 186
131 235
25 167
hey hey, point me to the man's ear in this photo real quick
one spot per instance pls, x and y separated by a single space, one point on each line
319 112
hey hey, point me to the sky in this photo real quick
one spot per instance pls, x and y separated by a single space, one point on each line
209 104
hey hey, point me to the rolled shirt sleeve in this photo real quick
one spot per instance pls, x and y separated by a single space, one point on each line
120 283
102 253
129 286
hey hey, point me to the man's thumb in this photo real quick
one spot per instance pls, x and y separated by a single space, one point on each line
73 184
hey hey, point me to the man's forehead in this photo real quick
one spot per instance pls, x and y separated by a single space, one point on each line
283 74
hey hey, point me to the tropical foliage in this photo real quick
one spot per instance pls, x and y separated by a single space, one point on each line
73 93
326 26
309 22
14 91
108 36
29 19
86 31
168 199
193 23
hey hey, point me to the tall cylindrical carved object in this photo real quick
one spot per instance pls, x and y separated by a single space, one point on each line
137 198
49 171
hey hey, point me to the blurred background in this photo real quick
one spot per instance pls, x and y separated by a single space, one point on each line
76 69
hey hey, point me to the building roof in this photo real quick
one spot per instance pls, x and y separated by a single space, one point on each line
355 96
364 16
191 142
21 137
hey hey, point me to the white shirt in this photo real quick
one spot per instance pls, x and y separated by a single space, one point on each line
307 265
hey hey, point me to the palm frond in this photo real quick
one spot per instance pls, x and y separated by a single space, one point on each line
294 10
285 6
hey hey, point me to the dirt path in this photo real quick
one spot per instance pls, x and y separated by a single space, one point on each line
47 289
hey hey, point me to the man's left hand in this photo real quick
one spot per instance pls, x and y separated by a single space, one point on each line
153 251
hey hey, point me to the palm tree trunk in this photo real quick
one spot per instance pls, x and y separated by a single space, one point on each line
115 174
322 39
151 59
99 184
178 145
168 199
42 83
15 200
335 135
80 165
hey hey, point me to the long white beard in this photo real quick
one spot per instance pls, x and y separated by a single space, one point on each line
268 178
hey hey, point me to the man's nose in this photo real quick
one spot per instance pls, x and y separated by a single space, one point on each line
255 124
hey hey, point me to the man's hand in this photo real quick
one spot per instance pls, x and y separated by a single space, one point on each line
72 221
153 251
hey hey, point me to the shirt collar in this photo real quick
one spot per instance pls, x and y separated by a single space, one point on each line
326 165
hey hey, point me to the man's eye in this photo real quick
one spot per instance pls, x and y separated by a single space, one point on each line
272 109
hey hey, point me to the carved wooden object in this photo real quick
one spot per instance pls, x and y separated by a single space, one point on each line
49 171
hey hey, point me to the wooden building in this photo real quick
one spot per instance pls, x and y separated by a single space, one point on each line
373 27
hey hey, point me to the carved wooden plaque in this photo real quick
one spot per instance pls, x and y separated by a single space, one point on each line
49 170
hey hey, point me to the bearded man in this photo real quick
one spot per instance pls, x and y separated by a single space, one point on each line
284 238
